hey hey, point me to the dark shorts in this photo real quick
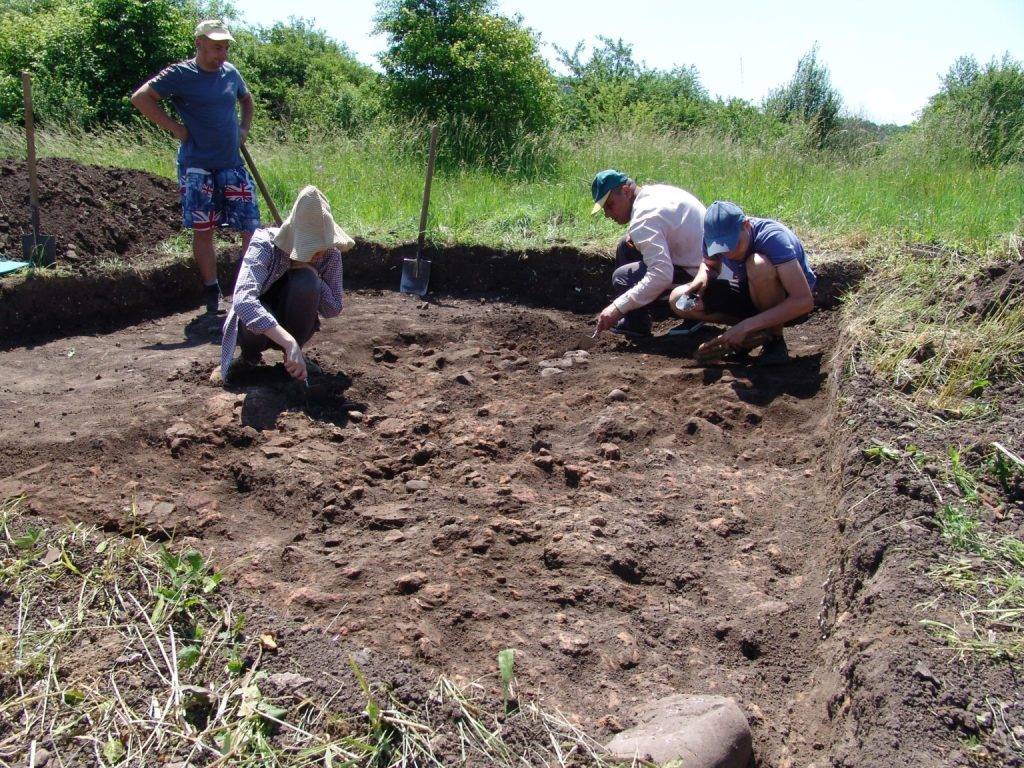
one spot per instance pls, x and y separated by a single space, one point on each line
224 197
727 298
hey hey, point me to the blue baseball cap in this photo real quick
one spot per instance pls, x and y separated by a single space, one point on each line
603 184
723 223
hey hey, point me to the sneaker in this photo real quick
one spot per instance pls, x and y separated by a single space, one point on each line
686 328
774 352
630 330
212 297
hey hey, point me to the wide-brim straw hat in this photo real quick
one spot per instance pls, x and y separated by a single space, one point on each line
310 228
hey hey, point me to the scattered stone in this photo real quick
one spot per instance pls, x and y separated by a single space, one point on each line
923 672
611 451
387 516
424 453
573 643
409 583
287 682
573 474
180 434
547 373
699 731
416 485
482 542
355 416
465 378
310 597
563 362
546 463
616 396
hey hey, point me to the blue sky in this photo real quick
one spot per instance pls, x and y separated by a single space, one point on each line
886 56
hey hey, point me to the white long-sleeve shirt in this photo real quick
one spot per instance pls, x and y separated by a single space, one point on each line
667 226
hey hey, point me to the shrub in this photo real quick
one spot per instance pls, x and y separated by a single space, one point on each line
808 99
979 112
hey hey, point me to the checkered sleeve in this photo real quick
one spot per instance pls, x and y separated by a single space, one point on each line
330 285
253 275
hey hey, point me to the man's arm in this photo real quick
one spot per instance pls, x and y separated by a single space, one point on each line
709 270
654 248
147 101
248 107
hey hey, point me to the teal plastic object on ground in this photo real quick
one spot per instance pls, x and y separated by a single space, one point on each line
11 266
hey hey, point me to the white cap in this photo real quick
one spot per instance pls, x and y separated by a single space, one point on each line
213 29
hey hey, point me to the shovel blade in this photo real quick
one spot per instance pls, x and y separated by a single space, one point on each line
415 276
41 251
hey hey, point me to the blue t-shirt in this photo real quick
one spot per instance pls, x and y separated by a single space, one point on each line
777 243
206 102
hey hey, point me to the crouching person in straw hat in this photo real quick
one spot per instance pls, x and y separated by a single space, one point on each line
287 277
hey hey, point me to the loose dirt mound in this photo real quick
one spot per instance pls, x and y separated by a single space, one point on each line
95 213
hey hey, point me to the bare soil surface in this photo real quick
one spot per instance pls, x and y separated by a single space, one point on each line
436 497
95 213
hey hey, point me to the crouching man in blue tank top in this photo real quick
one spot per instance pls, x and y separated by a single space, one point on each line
772 285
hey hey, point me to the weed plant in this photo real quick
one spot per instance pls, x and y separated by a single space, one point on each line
982 571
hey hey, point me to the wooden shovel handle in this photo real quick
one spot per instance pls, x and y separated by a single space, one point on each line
261 185
30 136
432 153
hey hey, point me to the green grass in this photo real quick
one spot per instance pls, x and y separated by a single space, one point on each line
375 184
982 572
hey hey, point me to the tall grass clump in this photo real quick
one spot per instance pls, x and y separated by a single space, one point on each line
925 320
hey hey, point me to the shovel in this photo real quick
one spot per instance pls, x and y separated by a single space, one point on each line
263 187
36 248
416 272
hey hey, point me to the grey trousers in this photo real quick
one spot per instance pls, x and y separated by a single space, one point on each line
629 270
293 301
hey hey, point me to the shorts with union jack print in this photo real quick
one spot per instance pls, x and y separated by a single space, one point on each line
211 199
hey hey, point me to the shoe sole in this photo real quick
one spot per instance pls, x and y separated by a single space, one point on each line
685 331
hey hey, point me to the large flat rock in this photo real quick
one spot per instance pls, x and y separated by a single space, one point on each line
696 731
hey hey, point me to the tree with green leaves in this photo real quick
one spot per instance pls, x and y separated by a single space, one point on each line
300 76
459 60
979 111
611 84
808 99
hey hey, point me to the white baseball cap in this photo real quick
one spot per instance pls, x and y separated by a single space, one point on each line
213 29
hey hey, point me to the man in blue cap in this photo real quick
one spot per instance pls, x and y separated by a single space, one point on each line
772 284
662 248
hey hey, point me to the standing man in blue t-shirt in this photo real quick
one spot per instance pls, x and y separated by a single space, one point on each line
216 189
772 284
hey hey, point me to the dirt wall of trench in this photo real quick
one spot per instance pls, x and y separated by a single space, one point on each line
40 307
